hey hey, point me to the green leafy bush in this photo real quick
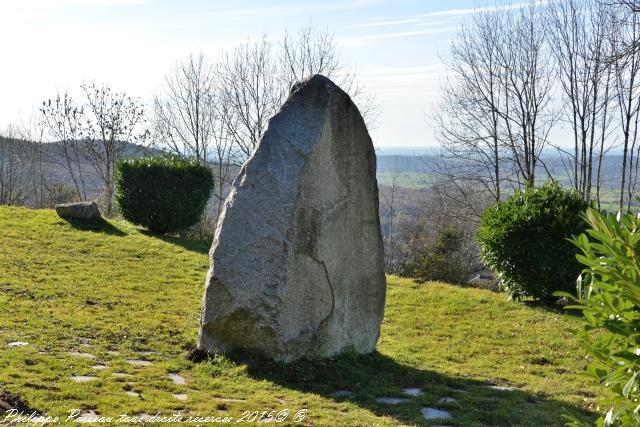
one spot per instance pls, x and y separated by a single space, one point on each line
439 260
524 240
163 194
609 297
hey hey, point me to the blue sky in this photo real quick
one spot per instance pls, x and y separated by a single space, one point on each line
51 45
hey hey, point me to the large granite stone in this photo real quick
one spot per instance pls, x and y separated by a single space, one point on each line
297 257
87 211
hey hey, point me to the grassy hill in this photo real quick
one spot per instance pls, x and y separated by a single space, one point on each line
89 303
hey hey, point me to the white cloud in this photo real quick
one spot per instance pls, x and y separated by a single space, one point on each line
365 40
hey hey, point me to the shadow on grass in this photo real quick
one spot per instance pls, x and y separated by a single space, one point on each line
98 225
375 375
199 246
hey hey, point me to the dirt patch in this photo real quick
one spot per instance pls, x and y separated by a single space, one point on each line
11 401
197 355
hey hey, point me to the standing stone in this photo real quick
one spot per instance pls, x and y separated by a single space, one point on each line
297 261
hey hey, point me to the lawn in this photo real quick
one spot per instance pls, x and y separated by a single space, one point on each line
81 303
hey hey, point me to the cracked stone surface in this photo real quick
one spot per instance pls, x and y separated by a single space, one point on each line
177 379
391 400
412 392
297 259
435 414
139 362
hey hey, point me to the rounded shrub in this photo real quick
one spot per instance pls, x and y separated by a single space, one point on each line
525 240
163 194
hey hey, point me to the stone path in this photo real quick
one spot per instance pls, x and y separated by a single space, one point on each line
139 362
429 414
83 378
412 392
177 379
435 414
391 400
99 367
120 374
181 397
500 388
80 354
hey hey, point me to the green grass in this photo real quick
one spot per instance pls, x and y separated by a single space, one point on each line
115 292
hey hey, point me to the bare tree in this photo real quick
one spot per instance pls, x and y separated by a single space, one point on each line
62 122
579 32
249 78
256 76
313 51
113 128
526 81
468 123
184 111
15 165
626 76
496 111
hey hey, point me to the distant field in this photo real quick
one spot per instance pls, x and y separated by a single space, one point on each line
413 180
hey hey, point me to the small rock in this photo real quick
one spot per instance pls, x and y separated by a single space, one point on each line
79 354
113 352
447 399
139 362
132 393
120 375
412 392
500 388
99 367
147 353
181 397
83 378
342 393
435 414
177 379
391 400
17 344
78 210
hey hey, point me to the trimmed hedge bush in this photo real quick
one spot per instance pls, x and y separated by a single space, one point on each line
163 194
524 240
